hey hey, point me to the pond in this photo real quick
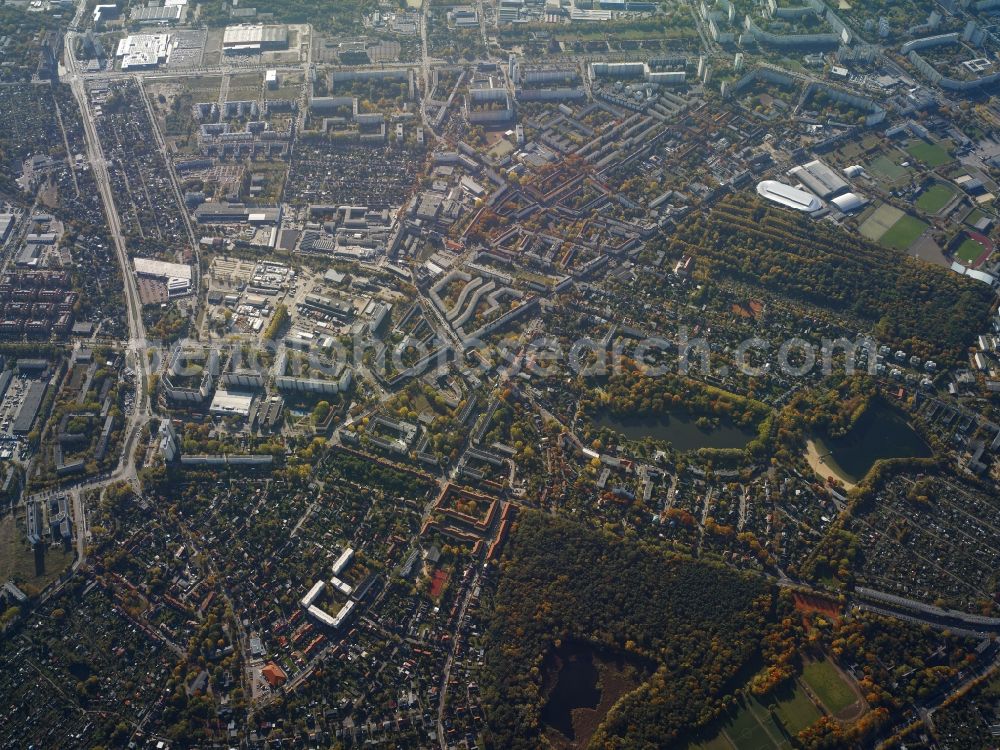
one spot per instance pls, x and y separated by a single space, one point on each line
681 430
582 682
576 687
882 432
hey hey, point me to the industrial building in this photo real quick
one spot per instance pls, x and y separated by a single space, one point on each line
254 38
28 412
177 276
156 14
236 213
6 224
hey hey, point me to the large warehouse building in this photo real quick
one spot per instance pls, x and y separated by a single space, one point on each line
254 38
820 179
176 276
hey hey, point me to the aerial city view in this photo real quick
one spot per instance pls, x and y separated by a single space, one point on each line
500 374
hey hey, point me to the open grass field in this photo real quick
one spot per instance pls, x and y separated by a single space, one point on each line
934 198
825 681
719 742
903 233
974 216
18 562
930 154
795 710
969 251
850 151
886 168
753 728
880 221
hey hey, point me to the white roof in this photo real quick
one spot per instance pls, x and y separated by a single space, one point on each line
254 34
849 202
143 50
162 269
343 613
854 170
972 273
342 561
322 616
227 402
342 586
788 196
309 598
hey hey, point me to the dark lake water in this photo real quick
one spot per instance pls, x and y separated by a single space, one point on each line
681 430
882 432
576 687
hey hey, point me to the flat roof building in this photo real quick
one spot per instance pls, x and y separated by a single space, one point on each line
212 212
343 561
156 14
314 592
250 38
820 179
177 276
231 403
6 223
145 51
28 412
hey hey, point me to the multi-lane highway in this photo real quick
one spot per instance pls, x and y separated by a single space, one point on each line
137 349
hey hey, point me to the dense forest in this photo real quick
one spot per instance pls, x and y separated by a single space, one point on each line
908 301
562 582
344 17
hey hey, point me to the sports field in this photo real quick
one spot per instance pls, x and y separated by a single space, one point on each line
903 233
752 727
880 221
825 681
930 154
934 198
974 216
888 169
795 710
969 251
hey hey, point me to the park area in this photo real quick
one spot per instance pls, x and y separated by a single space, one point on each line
772 721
